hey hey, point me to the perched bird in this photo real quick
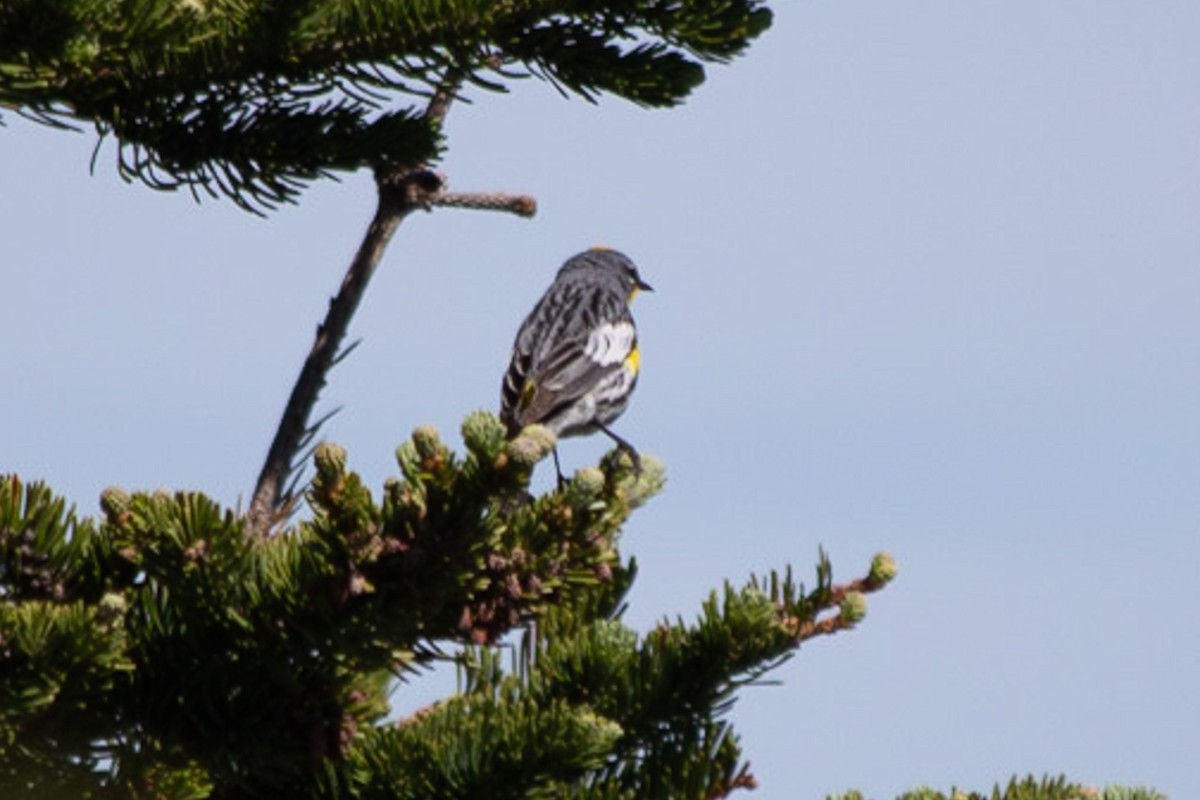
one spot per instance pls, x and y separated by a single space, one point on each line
575 360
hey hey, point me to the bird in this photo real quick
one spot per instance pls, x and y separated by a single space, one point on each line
575 360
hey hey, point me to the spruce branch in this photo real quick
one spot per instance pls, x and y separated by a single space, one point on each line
167 604
255 101
848 598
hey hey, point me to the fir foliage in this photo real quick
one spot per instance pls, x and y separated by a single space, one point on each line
1025 788
161 652
254 99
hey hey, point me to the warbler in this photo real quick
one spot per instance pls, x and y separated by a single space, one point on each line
575 360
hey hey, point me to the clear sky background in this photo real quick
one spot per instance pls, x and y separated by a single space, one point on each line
928 281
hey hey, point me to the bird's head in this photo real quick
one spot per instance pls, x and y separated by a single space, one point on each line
611 264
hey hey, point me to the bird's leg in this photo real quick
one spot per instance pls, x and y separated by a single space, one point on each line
558 470
626 446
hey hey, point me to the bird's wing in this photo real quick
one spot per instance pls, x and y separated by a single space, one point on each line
561 377
574 367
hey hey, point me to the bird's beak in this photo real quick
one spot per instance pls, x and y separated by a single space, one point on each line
645 287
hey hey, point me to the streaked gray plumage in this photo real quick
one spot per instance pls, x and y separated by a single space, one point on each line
575 360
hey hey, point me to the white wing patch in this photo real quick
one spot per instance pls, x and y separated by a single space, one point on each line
610 343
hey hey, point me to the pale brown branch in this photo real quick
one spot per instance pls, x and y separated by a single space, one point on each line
401 190
443 96
809 629
520 204
395 202
838 592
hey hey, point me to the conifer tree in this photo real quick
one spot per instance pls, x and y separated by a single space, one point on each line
172 648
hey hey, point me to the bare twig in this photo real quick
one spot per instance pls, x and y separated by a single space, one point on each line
838 592
744 779
520 204
809 629
401 191
439 102
268 494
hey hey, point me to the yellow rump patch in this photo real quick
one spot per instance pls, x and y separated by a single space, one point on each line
633 361
527 394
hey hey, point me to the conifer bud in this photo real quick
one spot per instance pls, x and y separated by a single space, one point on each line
648 481
114 502
883 569
483 434
330 458
531 445
853 608
427 442
111 606
587 483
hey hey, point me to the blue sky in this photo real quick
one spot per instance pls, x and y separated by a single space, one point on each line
927 281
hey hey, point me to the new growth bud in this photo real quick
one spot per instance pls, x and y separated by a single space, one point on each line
427 441
883 569
111 606
648 481
588 483
483 434
114 503
330 458
531 445
853 608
